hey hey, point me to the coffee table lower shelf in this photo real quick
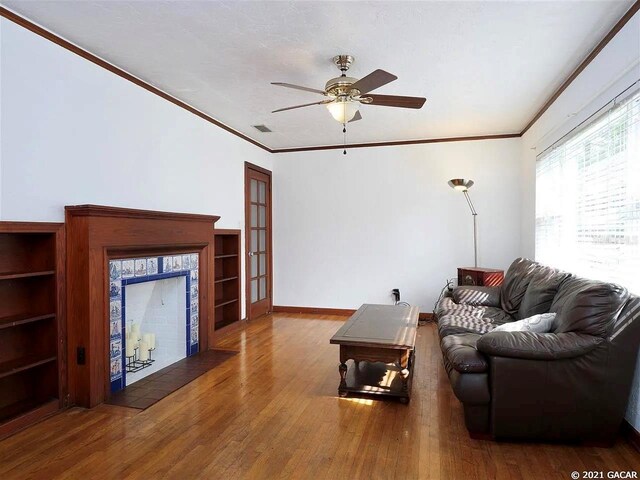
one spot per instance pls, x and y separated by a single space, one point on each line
377 378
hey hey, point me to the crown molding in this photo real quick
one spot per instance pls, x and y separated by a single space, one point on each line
587 60
38 30
398 143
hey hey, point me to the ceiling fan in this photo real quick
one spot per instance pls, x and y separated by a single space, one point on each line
347 93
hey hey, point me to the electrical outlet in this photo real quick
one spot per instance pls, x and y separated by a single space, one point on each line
80 356
396 294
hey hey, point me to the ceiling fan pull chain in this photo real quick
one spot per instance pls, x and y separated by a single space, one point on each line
344 133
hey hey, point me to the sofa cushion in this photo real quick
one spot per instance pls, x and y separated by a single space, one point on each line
589 306
447 306
481 320
541 323
460 351
477 296
496 315
541 291
515 284
567 290
456 324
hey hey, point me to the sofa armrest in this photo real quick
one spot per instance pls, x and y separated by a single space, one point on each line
460 352
537 346
477 296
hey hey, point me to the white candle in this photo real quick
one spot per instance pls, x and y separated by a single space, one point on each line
146 338
144 351
129 349
135 330
152 343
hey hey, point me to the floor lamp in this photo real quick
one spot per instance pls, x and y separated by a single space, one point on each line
463 186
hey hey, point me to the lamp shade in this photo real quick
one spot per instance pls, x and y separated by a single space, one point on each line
460 184
343 111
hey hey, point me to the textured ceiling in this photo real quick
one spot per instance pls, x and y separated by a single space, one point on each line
485 67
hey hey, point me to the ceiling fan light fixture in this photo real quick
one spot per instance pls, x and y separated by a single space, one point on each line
345 94
343 111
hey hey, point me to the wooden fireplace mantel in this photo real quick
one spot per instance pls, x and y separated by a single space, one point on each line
96 234
105 211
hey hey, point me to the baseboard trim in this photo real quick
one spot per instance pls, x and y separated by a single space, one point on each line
313 310
631 435
426 316
223 332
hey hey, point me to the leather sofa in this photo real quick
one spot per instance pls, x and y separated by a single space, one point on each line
571 384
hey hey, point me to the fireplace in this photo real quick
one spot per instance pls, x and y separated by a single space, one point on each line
146 246
153 315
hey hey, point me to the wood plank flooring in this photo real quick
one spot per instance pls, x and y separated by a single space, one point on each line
272 411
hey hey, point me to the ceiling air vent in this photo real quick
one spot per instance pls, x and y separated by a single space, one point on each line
262 128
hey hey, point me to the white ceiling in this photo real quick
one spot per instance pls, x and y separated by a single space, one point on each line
485 67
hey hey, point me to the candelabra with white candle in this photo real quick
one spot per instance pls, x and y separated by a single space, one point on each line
135 330
150 340
144 351
130 348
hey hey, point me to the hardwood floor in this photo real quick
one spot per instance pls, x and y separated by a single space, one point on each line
272 411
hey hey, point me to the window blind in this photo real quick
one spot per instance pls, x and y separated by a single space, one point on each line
588 199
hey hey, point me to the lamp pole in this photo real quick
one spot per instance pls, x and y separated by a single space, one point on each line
475 228
462 185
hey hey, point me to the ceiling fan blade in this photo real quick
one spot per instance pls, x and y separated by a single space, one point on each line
397 101
374 80
356 117
305 105
299 87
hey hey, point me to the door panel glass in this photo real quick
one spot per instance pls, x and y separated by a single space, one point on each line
254 190
257 258
254 240
254 266
263 264
254 215
254 291
263 288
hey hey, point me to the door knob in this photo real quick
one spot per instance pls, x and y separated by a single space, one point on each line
251 254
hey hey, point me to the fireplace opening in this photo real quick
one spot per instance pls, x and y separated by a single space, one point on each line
153 319
155 322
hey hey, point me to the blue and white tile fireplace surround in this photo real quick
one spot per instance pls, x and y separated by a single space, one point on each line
126 272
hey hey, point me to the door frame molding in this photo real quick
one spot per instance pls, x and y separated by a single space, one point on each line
247 228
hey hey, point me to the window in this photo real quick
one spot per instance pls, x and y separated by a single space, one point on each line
588 199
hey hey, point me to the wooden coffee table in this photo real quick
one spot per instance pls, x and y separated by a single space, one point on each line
380 339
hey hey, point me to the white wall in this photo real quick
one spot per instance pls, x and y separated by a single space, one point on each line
614 69
74 133
348 229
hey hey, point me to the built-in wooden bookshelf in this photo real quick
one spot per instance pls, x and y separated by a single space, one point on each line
32 327
227 277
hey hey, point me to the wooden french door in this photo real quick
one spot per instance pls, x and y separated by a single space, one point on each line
258 240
